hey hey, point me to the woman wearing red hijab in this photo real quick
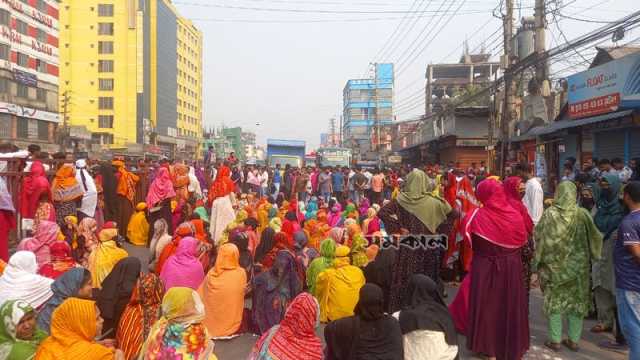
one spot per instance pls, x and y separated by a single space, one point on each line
33 186
498 316
222 213
514 188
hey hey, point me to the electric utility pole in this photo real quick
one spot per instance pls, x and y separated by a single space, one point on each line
508 114
542 67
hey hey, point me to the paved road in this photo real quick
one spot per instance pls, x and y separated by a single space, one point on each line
239 348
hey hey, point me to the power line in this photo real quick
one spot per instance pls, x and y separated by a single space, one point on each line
395 45
310 21
306 11
432 38
395 31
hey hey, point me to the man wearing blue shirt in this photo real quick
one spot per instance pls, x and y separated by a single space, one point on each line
337 179
627 268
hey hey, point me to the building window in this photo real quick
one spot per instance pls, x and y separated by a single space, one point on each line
42 6
5 17
23 128
23 91
5 50
23 59
4 85
22 27
105 84
105 28
43 130
105 47
41 35
105 121
105 9
105 65
41 94
5 126
105 103
41 66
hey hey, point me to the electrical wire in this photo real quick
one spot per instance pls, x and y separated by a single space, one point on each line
307 11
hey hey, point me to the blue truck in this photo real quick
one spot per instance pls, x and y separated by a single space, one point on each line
285 152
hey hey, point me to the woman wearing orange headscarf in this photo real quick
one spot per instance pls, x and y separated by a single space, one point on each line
223 291
66 191
74 326
126 192
221 203
181 181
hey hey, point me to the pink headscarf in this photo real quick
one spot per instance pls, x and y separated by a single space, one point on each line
335 215
161 188
496 221
337 234
45 236
511 186
183 267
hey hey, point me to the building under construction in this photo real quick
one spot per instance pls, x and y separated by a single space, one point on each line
368 114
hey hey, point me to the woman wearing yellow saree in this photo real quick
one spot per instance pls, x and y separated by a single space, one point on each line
106 255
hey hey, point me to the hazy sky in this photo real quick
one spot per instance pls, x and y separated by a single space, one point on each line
283 63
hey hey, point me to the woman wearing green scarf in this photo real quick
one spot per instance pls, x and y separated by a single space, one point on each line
566 240
608 217
415 211
319 264
19 335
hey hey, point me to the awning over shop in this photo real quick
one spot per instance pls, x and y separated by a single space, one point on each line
567 124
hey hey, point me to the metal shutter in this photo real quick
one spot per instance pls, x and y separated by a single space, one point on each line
609 144
634 143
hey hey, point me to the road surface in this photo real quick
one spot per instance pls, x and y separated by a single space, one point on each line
239 348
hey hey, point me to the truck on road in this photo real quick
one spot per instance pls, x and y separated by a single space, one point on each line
286 152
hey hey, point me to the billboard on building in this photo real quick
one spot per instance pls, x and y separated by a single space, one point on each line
605 88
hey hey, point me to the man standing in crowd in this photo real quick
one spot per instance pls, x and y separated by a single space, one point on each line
277 180
627 270
377 185
337 182
533 194
359 185
324 184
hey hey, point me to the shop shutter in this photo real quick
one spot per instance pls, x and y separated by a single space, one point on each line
609 144
634 143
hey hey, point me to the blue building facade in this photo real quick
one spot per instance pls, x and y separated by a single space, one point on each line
368 112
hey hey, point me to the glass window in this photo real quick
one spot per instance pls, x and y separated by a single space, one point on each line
41 66
105 103
41 35
4 85
22 27
42 6
5 126
105 28
23 59
23 91
5 17
105 65
5 50
105 9
41 94
23 128
105 47
105 121
43 130
105 84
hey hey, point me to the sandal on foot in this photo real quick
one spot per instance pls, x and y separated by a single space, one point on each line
600 328
570 345
552 345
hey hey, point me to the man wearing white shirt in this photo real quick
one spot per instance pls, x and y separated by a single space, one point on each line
533 196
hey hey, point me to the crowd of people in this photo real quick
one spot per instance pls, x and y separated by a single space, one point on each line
275 251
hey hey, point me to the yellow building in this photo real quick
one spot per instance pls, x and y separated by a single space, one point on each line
131 74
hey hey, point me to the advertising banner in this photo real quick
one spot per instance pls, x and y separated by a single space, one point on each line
605 88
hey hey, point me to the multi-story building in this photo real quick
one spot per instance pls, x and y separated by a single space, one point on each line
29 73
249 141
446 81
132 74
368 114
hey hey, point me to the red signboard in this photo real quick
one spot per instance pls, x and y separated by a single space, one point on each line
595 106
